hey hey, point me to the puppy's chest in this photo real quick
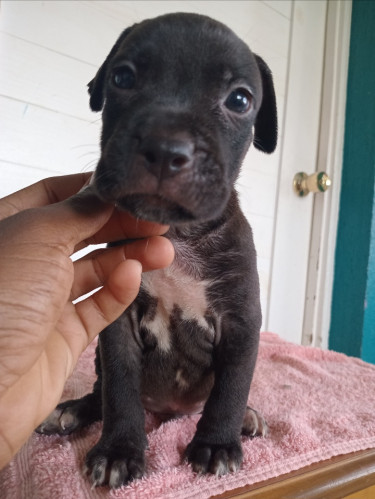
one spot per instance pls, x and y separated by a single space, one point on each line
177 306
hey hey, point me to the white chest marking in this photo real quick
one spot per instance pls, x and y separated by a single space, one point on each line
172 287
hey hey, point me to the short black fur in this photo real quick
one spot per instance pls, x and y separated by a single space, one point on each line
171 152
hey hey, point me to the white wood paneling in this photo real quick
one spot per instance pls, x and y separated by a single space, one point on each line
39 138
283 7
58 25
77 29
39 76
26 175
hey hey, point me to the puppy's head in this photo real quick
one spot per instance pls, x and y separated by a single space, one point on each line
182 97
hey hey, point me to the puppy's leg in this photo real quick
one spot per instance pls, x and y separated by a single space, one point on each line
73 415
119 455
216 446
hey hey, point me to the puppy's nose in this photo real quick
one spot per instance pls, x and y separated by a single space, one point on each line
165 157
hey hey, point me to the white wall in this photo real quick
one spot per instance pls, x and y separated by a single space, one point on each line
50 50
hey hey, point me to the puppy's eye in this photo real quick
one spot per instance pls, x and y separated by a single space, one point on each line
124 77
239 101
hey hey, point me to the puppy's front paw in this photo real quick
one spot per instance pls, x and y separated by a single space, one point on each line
218 459
114 465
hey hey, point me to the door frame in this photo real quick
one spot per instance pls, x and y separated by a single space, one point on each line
311 274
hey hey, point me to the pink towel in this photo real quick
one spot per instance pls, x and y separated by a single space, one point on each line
317 403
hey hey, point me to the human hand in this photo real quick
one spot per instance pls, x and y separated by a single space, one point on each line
42 333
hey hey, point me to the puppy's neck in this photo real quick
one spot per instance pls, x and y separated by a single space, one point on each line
198 232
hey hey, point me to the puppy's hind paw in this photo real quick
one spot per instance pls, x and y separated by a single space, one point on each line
60 421
254 424
72 415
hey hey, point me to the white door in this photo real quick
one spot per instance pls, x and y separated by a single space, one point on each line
50 50
305 229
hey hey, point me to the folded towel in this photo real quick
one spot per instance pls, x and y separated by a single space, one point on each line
317 403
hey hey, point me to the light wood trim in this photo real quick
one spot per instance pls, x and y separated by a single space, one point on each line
363 494
335 478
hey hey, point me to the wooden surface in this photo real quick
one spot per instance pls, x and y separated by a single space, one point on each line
342 477
368 493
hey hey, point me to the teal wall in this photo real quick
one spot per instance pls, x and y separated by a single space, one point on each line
353 301
368 342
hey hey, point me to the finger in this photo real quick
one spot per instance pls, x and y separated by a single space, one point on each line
72 224
107 304
88 220
42 193
122 225
91 271
85 208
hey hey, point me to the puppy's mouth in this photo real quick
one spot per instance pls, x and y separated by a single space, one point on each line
155 208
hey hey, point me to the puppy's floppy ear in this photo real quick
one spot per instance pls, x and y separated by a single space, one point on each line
265 136
96 86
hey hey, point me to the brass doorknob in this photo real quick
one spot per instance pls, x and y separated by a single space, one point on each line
317 182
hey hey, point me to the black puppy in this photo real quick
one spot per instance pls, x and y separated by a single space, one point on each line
180 95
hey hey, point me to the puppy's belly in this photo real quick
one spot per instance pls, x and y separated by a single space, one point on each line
177 296
178 334
167 391
172 407
177 381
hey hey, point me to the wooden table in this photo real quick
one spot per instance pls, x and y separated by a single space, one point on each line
351 476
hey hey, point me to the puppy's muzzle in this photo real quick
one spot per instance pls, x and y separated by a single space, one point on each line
162 167
166 157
